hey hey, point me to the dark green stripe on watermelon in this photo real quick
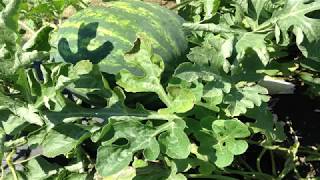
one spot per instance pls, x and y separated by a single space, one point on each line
116 29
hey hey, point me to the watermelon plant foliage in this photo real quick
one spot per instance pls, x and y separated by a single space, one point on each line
104 96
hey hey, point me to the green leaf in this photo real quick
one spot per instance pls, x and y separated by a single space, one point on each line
151 65
192 72
307 30
175 141
242 98
25 113
152 171
182 100
62 139
174 171
29 114
213 53
205 167
247 69
220 140
213 94
219 90
111 158
39 168
266 124
77 176
48 91
209 95
128 173
211 7
139 163
99 134
89 84
13 124
83 79
9 16
227 134
152 152
35 138
2 140
177 177
2 5
39 41
202 132
8 38
255 42
7 52
258 6
311 64
313 81
22 84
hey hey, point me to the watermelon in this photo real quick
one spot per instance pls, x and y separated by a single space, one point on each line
104 34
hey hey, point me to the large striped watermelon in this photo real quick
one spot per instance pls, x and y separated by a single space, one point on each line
104 34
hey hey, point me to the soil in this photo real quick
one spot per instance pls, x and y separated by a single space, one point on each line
301 116
165 3
303 113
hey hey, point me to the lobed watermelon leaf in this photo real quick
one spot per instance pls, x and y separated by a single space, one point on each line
119 98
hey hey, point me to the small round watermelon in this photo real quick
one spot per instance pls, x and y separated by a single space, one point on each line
104 34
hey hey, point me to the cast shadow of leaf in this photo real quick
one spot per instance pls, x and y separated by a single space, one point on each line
86 33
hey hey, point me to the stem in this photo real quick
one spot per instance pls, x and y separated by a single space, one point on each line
273 164
15 143
162 128
288 167
10 165
259 160
297 173
264 26
246 164
201 176
83 3
25 160
211 27
291 160
252 174
278 148
113 111
2 173
163 96
309 152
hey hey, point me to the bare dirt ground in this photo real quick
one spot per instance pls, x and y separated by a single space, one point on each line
163 2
